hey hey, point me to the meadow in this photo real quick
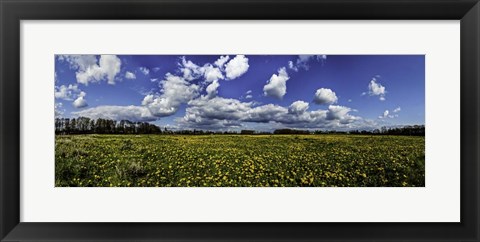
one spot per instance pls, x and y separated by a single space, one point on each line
327 160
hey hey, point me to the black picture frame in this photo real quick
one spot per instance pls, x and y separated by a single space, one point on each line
13 11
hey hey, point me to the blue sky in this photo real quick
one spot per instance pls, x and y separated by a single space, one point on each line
233 92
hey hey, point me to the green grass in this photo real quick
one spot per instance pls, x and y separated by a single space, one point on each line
239 160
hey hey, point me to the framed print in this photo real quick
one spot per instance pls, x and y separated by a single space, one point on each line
239 120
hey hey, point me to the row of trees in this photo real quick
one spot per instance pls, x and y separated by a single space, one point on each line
411 130
83 125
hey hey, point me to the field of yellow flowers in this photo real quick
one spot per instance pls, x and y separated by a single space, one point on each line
239 161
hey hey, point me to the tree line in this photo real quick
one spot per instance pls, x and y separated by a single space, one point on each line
410 130
84 125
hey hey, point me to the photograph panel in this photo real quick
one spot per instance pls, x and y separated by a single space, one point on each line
238 120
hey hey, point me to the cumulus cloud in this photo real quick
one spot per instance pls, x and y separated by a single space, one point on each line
148 99
396 110
386 114
108 68
303 60
80 62
292 66
214 113
58 110
89 69
212 73
209 72
130 75
221 61
225 113
175 90
190 70
66 92
376 89
325 96
80 102
132 113
248 96
277 85
236 67
71 93
266 113
144 70
212 89
336 112
298 107
223 68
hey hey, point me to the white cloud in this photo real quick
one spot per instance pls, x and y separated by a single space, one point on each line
66 92
298 107
277 85
148 99
221 61
336 112
130 75
212 89
248 96
325 96
303 60
110 64
215 113
266 113
249 92
292 66
88 70
80 102
71 92
218 71
175 90
94 74
236 67
132 113
190 70
144 70
58 110
212 73
225 113
386 114
396 110
80 62
376 89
